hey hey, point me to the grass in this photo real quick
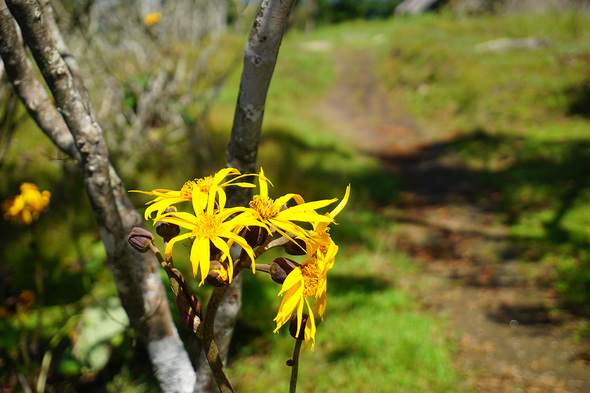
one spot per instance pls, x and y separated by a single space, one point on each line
510 91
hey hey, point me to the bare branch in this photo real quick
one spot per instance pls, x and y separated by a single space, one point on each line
260 58
27 87
64 51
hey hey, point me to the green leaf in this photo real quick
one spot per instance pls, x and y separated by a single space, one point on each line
98 330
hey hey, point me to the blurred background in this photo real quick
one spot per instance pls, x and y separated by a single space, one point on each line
463 127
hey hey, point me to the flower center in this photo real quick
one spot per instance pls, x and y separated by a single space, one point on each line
265 206
208 226
204 184
186 192
311 273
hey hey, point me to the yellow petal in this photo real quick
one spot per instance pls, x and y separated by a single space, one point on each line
200 258
342 203
263 182
293 278
170 245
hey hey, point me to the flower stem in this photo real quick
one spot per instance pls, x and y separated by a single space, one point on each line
281 241
263 267
295 366
207 329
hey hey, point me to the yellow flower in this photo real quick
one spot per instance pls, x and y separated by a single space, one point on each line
276 214
26 207
210 225
310 278
299 286
166 198
152 18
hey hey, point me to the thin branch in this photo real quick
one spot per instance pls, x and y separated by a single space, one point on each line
87 133
260 58
295 366
65 53
208 339
20 73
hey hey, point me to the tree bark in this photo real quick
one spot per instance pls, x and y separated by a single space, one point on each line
414 7
260 57
73 129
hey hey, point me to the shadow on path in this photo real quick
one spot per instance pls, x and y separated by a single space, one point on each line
458 200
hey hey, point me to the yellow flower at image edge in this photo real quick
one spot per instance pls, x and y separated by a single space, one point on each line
26 207
152 18
210 226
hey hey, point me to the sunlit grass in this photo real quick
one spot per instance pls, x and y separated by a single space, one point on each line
445 75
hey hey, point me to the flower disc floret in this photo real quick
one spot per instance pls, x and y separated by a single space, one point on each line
186 192
205 183
310 272
265 206
206 227
309 280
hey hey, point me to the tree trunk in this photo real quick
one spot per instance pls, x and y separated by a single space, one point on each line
414 7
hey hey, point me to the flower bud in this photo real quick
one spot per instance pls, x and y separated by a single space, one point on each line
280 269
165 229
295 247
299 335
140 239
255 236
218 274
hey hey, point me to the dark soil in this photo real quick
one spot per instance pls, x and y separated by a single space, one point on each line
512 335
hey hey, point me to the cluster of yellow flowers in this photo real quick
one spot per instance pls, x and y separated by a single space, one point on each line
213 229
25 207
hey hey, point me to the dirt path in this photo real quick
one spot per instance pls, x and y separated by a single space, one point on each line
511 338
